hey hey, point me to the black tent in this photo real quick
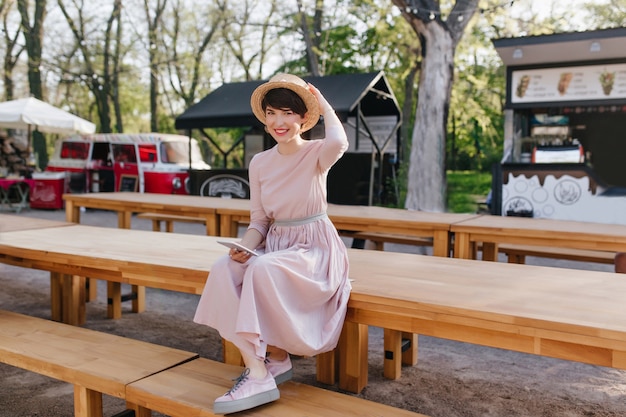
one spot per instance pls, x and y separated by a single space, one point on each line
229 105
359 176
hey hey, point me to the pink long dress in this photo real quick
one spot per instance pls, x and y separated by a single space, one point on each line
294 296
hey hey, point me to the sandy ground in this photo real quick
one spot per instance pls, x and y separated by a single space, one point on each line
451 379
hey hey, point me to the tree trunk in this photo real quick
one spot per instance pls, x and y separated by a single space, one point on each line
426 189
33 36
426 186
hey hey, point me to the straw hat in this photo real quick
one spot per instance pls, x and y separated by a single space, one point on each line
295 84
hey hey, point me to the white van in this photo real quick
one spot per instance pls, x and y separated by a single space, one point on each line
141 162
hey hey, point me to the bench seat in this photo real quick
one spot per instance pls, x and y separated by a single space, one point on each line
379 239
518 253
515 253
190 389
96 363
169 220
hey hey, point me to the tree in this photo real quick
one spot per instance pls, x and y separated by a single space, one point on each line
154 26
11 56
189 36
426 189
248 39
98 58
33 35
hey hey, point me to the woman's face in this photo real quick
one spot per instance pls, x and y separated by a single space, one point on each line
283 124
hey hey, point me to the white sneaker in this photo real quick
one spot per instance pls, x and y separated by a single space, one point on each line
247 393
282 371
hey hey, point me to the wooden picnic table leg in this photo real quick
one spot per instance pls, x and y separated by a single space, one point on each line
123 219
212 225
441 243
392 368
490 251
92 289
114 300
226 226
72 212
56 296
73 296
409 354
462 246
353 361
400 349
139 298
87 403
139 410
326 367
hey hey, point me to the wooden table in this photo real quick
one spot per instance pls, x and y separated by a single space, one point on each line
223 215
562 313
126 204
492 230
176 262
12 222
365 219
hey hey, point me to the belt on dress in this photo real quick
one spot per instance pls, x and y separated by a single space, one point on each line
301 221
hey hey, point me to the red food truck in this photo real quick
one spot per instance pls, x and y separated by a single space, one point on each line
141 162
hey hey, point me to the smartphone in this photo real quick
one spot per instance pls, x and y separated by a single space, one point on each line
237 246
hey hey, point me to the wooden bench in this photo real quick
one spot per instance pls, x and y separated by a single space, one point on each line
518 253
379 239
517 307
169 220
95 363
190 389
514 253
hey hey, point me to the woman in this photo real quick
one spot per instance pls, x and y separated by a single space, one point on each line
293 297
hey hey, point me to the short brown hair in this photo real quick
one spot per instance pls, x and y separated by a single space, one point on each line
284 98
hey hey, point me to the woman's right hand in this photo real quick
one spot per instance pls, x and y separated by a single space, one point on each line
239 255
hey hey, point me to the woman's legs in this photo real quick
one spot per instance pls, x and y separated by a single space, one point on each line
256 365
278 364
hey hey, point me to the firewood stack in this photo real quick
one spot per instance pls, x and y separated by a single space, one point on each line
13 156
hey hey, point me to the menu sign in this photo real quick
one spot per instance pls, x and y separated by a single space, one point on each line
583 83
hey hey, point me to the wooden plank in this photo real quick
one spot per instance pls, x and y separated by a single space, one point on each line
93 360
12 222
537 232
126 204
191 388
116 255
517 253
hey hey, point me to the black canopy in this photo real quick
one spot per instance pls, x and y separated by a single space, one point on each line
229 105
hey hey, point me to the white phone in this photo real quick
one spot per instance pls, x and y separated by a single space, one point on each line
238 246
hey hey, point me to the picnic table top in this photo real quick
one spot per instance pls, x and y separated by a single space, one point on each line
12 222
512 226
559 299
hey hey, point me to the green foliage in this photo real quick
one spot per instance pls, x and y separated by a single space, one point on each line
465 188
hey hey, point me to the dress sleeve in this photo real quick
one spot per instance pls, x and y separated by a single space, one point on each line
335 143
258 218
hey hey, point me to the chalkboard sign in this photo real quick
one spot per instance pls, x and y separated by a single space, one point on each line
129 183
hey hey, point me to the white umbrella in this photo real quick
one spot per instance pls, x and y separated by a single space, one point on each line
30 112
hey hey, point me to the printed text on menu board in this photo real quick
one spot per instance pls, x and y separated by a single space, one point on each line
591 82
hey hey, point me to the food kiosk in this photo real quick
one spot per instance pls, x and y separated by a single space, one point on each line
565 127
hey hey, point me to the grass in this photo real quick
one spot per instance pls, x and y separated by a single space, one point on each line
465 188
